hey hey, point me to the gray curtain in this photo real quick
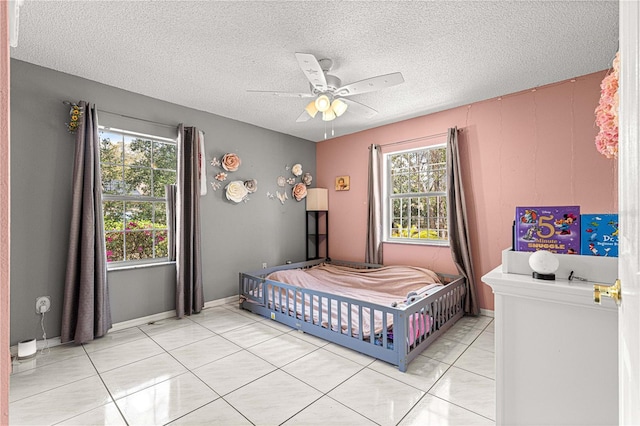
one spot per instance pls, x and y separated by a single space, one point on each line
86 313
374 220
189 295
170 196
458 223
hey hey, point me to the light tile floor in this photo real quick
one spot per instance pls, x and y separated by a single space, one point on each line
230 367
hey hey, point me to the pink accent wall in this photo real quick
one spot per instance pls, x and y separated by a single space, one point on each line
5 358
534 147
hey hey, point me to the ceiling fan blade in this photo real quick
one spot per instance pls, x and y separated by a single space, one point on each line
303 117
283 94
312 70
370 84
358 108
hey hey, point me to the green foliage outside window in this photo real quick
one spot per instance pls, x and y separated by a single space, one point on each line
417 195
134 173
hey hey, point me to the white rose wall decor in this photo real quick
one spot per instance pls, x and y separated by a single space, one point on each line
236 191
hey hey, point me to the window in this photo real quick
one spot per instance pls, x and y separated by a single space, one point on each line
135 169
416 194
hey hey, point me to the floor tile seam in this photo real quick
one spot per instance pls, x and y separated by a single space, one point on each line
352 409
302 409
444 336
333 388
75 380
244 385
208 362
46 365
186 344
143 336
412 407
404 383
227 330
132 362
300 338
474 372
460 406
480 349
151 336
288 362
85 412
146 387
230 341
116 400
208 403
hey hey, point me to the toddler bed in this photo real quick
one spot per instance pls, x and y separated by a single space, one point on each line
389 313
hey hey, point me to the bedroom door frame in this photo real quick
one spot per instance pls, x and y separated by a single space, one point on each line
629 208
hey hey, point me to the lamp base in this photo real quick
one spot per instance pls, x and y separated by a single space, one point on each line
548 277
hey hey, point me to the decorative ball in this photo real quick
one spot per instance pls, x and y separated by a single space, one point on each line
544 262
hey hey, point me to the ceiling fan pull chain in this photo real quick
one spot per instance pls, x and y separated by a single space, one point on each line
332 128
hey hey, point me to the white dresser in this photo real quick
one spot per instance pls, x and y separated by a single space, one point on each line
556 351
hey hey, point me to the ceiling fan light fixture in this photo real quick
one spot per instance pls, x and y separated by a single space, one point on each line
339 107
323 103
311 109
328 115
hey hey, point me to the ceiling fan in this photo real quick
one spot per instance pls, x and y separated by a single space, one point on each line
331 96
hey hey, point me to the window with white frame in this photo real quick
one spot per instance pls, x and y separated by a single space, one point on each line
135 169
416 196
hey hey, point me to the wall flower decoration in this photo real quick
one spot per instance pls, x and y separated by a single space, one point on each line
299 191
236 191
230 162
251 185
607 113
299 186
75 113
307 179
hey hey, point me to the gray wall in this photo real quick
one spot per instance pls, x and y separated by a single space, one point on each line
234 237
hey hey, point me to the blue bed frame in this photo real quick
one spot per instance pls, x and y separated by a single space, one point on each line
279 301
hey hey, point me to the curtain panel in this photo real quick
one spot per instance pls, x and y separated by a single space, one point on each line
189 293
86 313
458 223
170 196
373 252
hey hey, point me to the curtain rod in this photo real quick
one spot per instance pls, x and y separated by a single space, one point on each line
171 126
437 135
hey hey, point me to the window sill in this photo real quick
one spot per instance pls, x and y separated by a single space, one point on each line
417 242
138 266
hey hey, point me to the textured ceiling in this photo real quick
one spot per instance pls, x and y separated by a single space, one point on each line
206 55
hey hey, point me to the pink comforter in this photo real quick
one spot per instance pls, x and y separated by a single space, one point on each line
381 286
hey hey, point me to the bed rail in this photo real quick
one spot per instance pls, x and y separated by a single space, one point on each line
395 334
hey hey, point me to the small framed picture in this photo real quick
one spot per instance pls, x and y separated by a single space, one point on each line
342 183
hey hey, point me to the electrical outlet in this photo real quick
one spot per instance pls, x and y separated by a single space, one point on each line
264 265
43 304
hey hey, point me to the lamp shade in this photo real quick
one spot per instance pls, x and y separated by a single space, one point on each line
328 115
323 103
317 199
339 107
311 109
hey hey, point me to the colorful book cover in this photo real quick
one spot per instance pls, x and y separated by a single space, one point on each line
555 228
599 235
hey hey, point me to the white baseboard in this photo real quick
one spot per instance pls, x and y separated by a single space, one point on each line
55 341
142 320
487 313
220 302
